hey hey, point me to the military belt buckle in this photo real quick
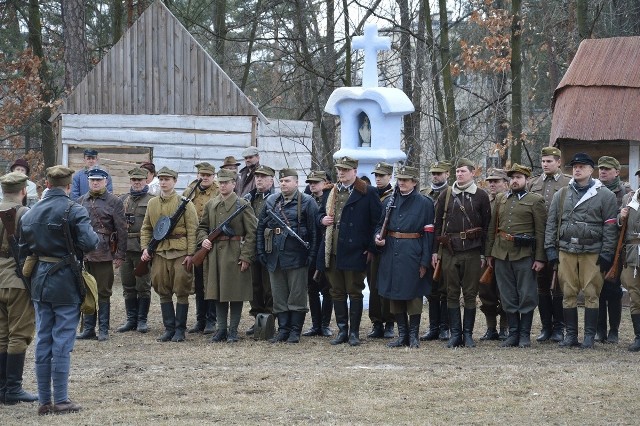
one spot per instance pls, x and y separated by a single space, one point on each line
277 231
575 240
463 235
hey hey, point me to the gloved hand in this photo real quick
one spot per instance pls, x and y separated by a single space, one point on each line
605 264
262 258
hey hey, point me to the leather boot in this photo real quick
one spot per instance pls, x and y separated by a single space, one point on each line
104 314
490 334
210 317
169 322
571 322
590 324
297 321
467 329
601 327
355 315
434 320
455 322
222 313
444 321
3 375
414 331
143 312
403 332
235 311
389 332
504 326
131 306
201 312
526 320
182 311
88 328
557 335
635 346
283 327
315 311
545 307
342 320
615 315
14 392
513 319
377 332
327 308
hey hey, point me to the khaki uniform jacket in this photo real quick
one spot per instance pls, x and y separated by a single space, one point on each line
8 277
200 198
513 216
224 281
107 216
170 248
548 187
632 234
137 206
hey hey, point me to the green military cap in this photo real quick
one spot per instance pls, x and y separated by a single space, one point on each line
265 170
205 168
497 174
383 169
608 162
225 175
13 182
167 172
229 161
138 173
347 163
440 167
59 175
465 162
518 168
317 176
287 173
406 172
551 150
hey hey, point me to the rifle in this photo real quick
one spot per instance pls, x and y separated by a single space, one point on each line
163 229
282 224
198 258
387 213
71 259
616 267
8 218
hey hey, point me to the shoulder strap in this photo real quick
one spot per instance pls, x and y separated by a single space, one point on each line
446 209
299 209
563 197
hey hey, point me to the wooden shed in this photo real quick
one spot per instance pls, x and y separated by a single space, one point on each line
597 104
158 96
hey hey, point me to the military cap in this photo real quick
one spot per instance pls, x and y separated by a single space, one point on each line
347 163
22 163
225 175
497 174
265 170
406 172
59 175
90 152
551 150
317 176
149 166
440 167
250 152
230 161
13 182
97 173
287 173
138 173
167 172
582 158
383 169
205 168
465 162
608 162
518 168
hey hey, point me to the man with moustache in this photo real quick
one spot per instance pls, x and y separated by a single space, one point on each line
246 182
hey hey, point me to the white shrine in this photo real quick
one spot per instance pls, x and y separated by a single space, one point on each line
370 116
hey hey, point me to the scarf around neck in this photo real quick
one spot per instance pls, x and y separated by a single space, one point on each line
470 188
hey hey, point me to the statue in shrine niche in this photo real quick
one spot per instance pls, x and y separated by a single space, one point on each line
364 130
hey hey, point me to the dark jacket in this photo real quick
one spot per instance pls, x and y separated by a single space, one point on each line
42 235
134 209
106 212
400 261
287 252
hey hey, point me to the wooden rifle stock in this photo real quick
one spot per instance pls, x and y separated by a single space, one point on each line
387 213
487 276
616 267
438 271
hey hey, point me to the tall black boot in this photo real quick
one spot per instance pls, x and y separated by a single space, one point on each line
590 324
355 316
3 375
635 346
444 321
342 320
169 322
526 320
545 308
571 322
403 332
131 307
615 316
601 327
297 321
455 322
558 319
434 320
467 329
327 308
88 328
377 331
414 331
512 340
201 312
284 327
315 311
14 392
210 317
104 314
182 311
143 312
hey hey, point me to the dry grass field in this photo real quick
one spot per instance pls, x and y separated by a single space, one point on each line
132 379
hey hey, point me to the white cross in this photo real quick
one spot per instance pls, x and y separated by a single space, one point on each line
371 44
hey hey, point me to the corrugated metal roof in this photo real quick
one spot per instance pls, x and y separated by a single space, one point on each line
599 96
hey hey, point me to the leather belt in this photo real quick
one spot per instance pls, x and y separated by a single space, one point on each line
133 234
176 236
49 259
404 235
505 236
228 238
469 234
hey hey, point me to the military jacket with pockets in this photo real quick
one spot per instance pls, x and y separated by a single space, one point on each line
134 210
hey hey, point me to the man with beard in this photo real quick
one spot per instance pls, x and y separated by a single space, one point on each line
246 182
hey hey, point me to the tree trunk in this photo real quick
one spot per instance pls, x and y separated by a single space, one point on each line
75 44
117 17
516 83
451 143
411 121
327 125
220 30
347 43
582 18
252 39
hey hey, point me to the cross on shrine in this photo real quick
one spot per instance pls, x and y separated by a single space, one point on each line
371 44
